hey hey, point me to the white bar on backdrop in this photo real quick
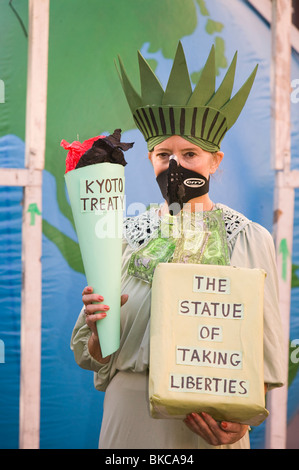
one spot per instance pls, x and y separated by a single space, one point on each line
20 177
277 399
29 426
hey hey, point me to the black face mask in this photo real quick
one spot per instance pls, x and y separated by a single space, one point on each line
179 185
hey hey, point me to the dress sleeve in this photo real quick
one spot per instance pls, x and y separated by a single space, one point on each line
254 248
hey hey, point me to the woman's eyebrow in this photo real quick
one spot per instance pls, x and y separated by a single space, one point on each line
193 149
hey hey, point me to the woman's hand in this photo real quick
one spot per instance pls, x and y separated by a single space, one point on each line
93 313
212 432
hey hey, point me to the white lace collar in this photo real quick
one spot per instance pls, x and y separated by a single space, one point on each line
234 221
138 230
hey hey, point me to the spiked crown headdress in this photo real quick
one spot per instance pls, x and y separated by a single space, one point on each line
203 115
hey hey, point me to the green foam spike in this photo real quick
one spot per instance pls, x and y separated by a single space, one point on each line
151 89
134 100
205 87
224 92
233 108
178 89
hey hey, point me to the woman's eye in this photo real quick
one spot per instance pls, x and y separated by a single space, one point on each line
163 156
189 154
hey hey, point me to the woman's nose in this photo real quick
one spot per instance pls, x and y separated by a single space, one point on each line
174 157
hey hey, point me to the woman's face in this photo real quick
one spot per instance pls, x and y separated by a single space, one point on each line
188 155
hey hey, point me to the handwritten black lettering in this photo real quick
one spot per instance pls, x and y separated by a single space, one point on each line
88 188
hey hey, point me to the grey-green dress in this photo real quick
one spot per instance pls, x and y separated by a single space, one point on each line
126 422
